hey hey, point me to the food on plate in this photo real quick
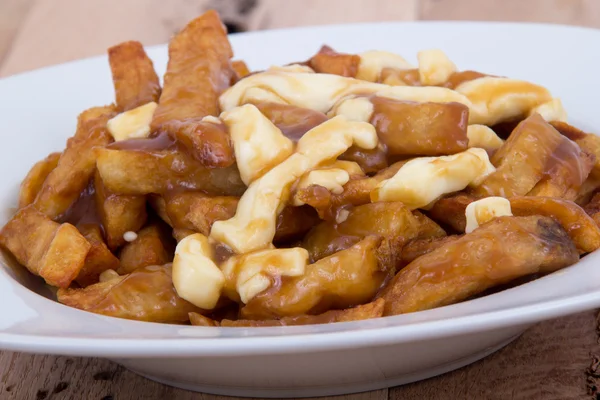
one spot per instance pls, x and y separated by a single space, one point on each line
341 188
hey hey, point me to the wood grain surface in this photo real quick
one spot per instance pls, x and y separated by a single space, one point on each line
554 360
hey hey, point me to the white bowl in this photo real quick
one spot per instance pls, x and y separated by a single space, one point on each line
38 112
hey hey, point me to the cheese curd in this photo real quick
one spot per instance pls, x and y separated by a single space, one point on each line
353 108
249 274
258 144
484 137
374 61
552 110
423 180
292 68
481 211
253 226
196 277
435 67
132 124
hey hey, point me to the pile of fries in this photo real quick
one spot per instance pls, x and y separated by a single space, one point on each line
345 187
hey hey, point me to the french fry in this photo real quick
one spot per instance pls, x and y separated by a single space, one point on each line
361 312
293 121
197 212
147 294
370 161
582 229
593 208
537 160
199 69
419 247
134 78
99 258
328 61
153 246
56 252
76 165
34 180
200 320
118 213
344 279
135 172
420 129
294 222
496 253
450 211
240 70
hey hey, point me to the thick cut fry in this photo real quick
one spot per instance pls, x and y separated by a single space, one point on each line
34 180
294 222
588 142
147 294
329 61
536 159
391 221
158 171
199 70
496 253
356 192
419 247
197 212
450 211
370 161
425 129
593 208
134 78
54 251
75 167
200 320
153 246
582 229
344 279
99 258
365 311
118 213
240 70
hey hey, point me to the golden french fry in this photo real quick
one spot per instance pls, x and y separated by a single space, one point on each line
370 161
421 246
361 312
420 129
536 159
200 320
582 229
496 253
118 213
240 70
199 69
75 167
593 208
134 78
138 172
197 211
56 252
329 61
344 279
147 294
34 180
99 258
450 211
153 246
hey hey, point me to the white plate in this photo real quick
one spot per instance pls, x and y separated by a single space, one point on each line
38 111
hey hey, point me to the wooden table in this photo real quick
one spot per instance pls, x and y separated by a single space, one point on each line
555 360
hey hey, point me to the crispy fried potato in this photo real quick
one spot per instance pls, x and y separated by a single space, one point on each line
344 279
391 221
99 258
181 233
582 229
361 312
199 69
593 208
427 227
356 192
158 171
197 211
118 213
147 294
329 61
153 246
240 70
134 78
34 180
294 222
536 159
54 251
496 253
370 161
450 211
200 320
75 167
421 246
420 129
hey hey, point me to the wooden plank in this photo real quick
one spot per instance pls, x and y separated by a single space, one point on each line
547 362
575 12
